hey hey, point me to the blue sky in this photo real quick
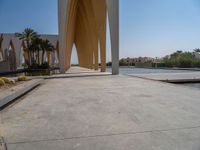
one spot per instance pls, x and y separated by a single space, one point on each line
147 27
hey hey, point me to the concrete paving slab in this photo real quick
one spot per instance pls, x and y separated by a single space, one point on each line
171 77
157 140
108 112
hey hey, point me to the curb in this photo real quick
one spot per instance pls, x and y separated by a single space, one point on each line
11 97
176 81
77 76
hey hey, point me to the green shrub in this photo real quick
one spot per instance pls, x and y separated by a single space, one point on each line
34 66
182 60
45 65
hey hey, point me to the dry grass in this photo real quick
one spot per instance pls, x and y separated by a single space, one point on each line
9 86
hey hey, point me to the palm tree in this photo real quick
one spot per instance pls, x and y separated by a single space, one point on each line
28 35
46 46
35 47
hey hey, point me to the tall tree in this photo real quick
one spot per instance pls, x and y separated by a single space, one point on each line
46 46
28 35
35 47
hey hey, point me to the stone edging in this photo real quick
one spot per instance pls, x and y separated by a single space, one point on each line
9 97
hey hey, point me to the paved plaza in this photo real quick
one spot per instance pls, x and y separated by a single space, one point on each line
104 113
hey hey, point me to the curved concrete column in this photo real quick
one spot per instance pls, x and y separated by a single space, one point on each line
62 20
113 15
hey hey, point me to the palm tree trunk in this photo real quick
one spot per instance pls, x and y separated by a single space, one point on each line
28 61
33 57
37 57
42 56
48 57
29 56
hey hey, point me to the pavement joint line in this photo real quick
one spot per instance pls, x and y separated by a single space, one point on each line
102 135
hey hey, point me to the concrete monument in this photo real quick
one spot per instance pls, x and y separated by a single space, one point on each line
83 23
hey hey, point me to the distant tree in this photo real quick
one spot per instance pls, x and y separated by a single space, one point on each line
176 54
181 59
197 50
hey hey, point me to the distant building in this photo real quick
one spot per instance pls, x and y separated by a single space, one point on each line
139 60
196 54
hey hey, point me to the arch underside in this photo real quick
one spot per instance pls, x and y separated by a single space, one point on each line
86 28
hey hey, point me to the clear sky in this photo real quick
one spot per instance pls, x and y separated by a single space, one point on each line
147 27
